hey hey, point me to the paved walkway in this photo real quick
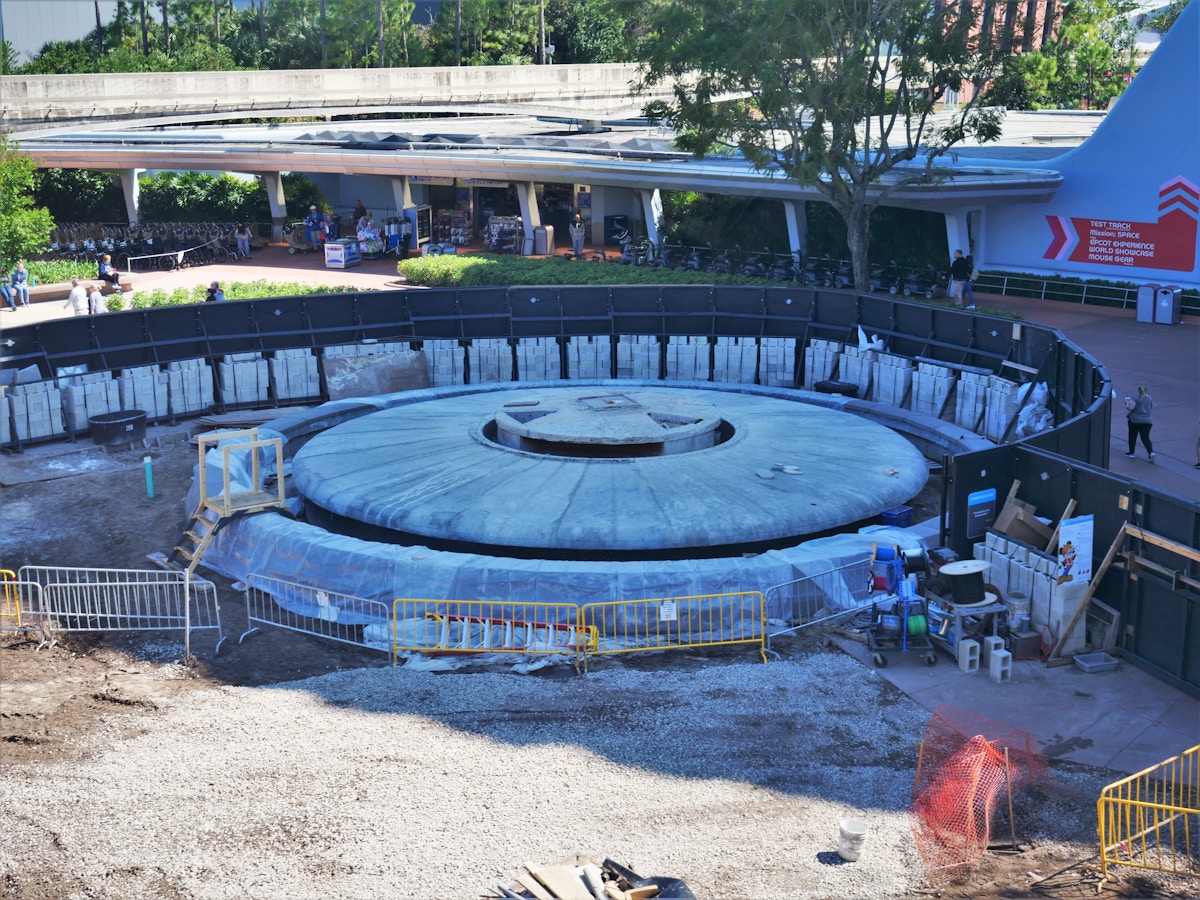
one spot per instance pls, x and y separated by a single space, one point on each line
1165 356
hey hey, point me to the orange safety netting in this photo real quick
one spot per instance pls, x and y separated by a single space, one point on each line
961 775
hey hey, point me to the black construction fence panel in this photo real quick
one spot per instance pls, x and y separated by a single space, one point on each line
586 310
992 342
739 310
972 476
22 347
1047 482
876 314
1084 438
229 328
1163 622
911 328
484 312
1175 518
283 323
637 310
383 315
1035 347
88 341
334 320
687 309
535 311
174 333
789 311
836 309
434 314
953 337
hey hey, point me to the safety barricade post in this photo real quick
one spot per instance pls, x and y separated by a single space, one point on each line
95 600
1151 819
455 627
315 611
672 623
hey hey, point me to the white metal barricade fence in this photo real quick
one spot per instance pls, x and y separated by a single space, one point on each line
841 591
315 611
80 600
21 605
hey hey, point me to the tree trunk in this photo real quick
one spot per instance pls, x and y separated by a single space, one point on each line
145 31
99 28
166 25
217 19
857 216
323 54
540 56
262 22
458 33
379 22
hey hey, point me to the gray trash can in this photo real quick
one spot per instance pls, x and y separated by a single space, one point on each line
1167 311
543 240
123 427
1147 299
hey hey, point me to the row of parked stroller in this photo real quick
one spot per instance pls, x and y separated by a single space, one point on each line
791 268
148 246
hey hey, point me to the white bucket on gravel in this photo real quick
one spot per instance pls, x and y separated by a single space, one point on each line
852 834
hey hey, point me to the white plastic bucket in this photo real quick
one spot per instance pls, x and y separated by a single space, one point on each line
852 834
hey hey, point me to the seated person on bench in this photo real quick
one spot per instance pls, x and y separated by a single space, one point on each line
109 272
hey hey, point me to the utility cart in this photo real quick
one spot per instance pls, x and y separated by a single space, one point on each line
902 627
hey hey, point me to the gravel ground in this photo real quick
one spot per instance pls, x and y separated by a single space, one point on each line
407 783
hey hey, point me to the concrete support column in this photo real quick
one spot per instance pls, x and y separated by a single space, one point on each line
797 225
958 235
129 184
531 217
402 191
273 182
652 207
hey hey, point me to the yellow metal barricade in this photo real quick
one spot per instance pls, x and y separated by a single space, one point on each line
10 603
710 620
20 604
1150 820
444 627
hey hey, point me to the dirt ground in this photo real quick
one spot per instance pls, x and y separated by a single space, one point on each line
55 699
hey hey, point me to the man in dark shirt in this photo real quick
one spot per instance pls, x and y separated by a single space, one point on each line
960 272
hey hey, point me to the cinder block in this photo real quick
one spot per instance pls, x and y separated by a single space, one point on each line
991 644
968 655
1000 666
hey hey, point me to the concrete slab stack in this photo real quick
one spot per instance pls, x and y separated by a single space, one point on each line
189 386
490 360
970 401
84 396
1003 401
244 378
445 361
931 388
777 362
891 379
857 366
294 374
687 359
820 361
589 357
735 360
538 359
145 388
637 356
36 410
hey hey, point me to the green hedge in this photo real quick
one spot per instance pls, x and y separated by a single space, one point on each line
491 270
237 290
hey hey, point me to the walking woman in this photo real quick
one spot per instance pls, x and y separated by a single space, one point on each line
1140 419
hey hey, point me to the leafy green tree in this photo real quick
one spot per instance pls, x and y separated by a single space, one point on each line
1093 49
24 227
835 94
1162 21
80 195
587 31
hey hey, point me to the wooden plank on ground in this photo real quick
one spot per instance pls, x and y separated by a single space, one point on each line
562 882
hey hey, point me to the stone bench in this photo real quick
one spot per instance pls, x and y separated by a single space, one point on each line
58 290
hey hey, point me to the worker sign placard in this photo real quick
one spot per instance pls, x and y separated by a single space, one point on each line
668 611
1075 550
